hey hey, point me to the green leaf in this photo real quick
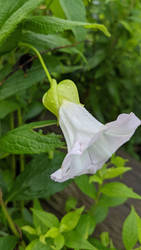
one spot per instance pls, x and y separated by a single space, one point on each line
130 232
15 17
56 9
126 25
52 232
104 236
33 110
18 82
120 190
86 225
29 229
35 181
59 241
38 245
43 42
71 11
95 178
114 172
95 60
70 220
11 42
108 201
70 204
25 140
86 187
47 219
7 107
99 246
118 161
49 25
8 242
99 213
75 241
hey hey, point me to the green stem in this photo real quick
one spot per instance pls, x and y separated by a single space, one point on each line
20 121
40 58
13 159
94 206
7 216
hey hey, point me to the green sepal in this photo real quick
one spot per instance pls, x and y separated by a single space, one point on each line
54 97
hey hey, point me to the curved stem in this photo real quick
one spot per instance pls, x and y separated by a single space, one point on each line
40 58
13 159
22 162
7 216
20 123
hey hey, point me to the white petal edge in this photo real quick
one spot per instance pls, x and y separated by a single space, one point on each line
90 157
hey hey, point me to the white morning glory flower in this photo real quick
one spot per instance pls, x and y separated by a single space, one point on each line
90 143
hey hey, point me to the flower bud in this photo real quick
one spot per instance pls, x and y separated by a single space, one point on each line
54 97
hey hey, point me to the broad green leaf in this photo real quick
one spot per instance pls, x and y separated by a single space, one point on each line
49 25
18 82
59 241
130 231
29 229
12 41
52 232
7 107
86 187
114 172
25 140
70 220
71 11
47 219
33 110
8 242
86 225
56 9
108 201
99 213
35 181
38 245
120 190
75 241
43 42
14 18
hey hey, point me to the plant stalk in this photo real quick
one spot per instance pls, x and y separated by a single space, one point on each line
20 121
13 159
7 216
40 58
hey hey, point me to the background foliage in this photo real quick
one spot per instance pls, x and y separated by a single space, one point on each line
73 37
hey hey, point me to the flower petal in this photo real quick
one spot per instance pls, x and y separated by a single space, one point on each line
114 135
75 163
76 122
90 143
